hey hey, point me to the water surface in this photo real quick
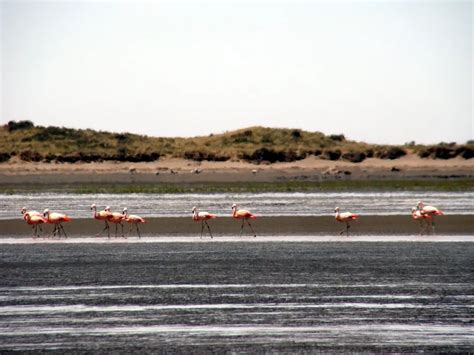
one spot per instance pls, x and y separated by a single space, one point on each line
221 297
264 204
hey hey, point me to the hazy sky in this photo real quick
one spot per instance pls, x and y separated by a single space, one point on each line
378 71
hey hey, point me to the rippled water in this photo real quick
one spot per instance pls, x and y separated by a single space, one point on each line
263 204
208 297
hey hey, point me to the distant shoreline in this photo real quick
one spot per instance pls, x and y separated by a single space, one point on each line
306 173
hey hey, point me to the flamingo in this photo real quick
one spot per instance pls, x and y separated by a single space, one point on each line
429 211
133 219
203 217
27 213
345 217
35 220
245 216
417 215
116 218
57 219
102 216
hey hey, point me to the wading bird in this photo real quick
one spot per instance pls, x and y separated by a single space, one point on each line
27 213
203 217
421 218
429 211
132 219
57 219
102 216
245 216
345 217
35 220
116 218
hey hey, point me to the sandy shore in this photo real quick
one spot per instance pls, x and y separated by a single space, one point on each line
264 226
179 170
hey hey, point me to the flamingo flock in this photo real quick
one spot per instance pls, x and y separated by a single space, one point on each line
35 219
423 214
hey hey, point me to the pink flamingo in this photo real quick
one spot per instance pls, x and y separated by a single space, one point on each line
133 219
35 220
245 216
116 218
27 213
421 218
203 217
102 216
429 211
345 217
57 219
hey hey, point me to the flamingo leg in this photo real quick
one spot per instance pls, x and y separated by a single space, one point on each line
420 222
64 231
102 231
342 232
138 231
242 228
123 235
254 234
202 227
347 228
49 235
116 230
56 229
129 229
209 229
433 225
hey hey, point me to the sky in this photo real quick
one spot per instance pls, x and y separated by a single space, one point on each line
385 72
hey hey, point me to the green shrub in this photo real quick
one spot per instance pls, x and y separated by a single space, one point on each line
354 157
29 155
390 152
14 126
337 137
200 156
4 156
296 134
331 154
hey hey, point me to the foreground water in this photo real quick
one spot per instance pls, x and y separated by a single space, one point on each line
204 297
265 204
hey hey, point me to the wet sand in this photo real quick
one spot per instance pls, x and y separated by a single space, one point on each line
264 226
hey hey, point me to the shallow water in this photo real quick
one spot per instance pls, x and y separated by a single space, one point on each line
205 297
264 204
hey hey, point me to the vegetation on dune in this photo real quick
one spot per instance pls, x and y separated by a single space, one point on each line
255 144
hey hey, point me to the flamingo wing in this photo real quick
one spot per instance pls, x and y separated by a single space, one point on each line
37 219
59 217
135 219
103 214
432 210
349 215
206 215
245 214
